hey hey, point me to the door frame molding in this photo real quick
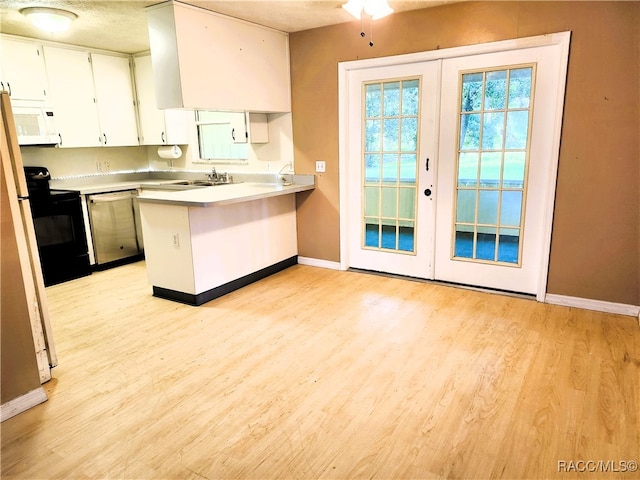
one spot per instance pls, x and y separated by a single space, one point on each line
560 39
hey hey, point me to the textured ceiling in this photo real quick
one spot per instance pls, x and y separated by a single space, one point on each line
122 25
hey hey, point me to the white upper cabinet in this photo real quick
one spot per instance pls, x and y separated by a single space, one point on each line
22 70
114 97
92 98
158 127
204 60
73 97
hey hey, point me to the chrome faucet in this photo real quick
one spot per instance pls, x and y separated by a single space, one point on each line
213 176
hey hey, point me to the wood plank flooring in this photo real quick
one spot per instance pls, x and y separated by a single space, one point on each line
314 373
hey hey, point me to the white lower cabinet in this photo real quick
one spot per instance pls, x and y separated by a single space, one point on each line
199 253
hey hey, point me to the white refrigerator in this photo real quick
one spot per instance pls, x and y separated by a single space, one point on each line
30 272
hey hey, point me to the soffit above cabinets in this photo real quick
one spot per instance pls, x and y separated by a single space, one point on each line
126 21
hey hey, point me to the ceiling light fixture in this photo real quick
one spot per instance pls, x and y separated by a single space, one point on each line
374 8
51 20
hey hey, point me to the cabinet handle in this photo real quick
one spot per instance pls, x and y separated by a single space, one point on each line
105 138
233 134
9 88
1 85
427 164
162 137
60 137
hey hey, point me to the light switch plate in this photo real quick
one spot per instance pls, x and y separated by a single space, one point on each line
321 166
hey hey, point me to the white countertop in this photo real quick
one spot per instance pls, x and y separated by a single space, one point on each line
89 189
220 194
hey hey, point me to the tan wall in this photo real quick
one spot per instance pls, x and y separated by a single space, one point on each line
595 250
19 370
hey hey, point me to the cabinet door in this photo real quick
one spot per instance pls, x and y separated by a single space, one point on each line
22 72
242 66
152 125
178 126
158 127
238 127
72 97
114 96
258 127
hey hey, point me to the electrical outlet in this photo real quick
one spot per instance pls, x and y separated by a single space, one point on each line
321 166
98 167
106 166
175 240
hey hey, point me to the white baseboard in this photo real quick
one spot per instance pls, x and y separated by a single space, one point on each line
316 262
588 304
22 403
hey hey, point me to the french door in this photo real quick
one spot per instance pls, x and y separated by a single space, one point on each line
392 123
496 160
449 163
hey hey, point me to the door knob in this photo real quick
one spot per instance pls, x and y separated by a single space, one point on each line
427 192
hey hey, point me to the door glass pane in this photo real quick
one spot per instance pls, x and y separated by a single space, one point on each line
390 167
371 201
391 99
492 131
373 138
372 232
496 91
409 140
520 88
511 211
391 142
486 243
492 164
488 207
469 131
389 237
517 129
490 169
468 170
389 202
408 168
410 97
471 92
466 206
407 236
509 245
390 127
407 203
513 174
372 167
464 242
373 101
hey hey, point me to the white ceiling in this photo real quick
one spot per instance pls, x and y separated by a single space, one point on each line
122 25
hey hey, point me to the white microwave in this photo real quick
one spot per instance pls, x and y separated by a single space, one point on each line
34 124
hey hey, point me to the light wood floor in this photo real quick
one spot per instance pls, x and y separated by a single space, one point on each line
314 373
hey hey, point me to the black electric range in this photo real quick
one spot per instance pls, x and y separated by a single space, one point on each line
59 226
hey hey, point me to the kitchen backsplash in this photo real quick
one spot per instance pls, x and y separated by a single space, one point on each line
70 162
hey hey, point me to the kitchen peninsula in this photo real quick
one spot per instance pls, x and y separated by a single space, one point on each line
202 243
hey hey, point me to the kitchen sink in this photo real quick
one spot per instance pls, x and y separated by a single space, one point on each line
184 185
202 183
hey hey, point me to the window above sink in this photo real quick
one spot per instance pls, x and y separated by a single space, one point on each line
222 136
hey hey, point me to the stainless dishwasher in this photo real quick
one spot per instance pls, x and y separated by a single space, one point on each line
115 226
